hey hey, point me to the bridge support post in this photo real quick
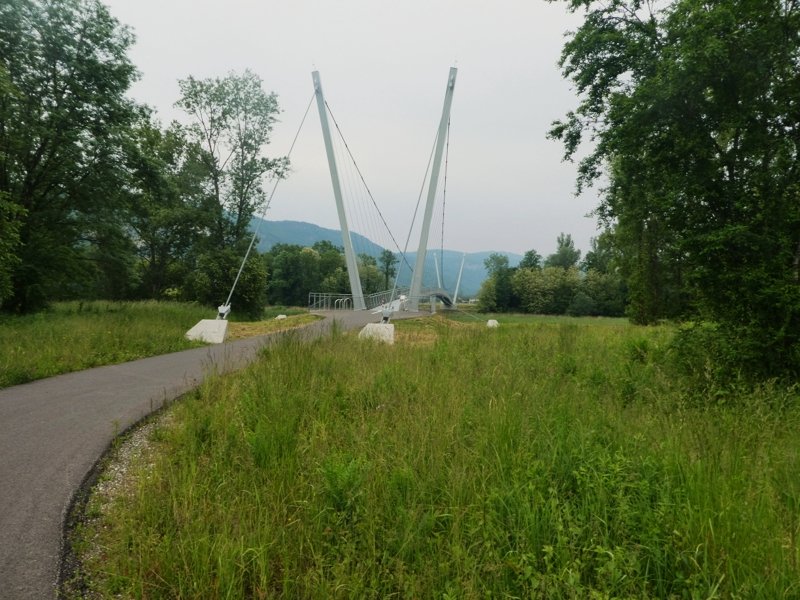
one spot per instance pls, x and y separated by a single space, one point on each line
419 266
458 281
349 253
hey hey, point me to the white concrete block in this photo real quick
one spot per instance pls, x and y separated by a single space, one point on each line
492 323
383 332
209 330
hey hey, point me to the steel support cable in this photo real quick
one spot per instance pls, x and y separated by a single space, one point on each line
416 210
360 210
375 204
349 204
419 198
266 206
360 216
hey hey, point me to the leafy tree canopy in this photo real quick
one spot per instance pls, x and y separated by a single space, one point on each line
531 260
693 110
566 255
496 263
604 255
497 293
64 72
232 122
167 217
386 262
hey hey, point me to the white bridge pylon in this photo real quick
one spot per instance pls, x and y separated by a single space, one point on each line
350 257
416 278
349 253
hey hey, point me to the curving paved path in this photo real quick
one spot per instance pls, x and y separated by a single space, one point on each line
53 431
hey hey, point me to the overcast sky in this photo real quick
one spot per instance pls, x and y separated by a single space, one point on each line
384 68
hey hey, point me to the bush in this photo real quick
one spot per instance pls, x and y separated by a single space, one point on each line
211 281
722 354
582 306
487 296
547 291
607 290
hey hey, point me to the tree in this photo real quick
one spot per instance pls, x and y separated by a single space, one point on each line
694 116
294 272
607 292
529 287
232 122
10 222
367 259
331 257
546 291
214 273
336 282
566 255
386 262
370 274
487 296
64 72
531 260
166 216
502 294
603 256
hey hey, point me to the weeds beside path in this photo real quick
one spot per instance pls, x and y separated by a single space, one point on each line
73 336
540 460
52 431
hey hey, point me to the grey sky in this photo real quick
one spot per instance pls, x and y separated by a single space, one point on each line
384 69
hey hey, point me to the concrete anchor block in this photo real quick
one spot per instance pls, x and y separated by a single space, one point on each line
383 332
211 331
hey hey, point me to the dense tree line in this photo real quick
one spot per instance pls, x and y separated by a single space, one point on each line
63 121
294 271
100 200
558 285
97 199
693 107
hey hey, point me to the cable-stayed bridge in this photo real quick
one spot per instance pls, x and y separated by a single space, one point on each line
353 204
396 299
358 210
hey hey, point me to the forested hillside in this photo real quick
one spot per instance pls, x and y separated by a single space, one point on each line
298 233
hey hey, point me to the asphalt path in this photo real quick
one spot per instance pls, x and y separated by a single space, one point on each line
53 431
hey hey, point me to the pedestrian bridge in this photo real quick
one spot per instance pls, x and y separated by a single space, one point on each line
366 215
441 295
397 300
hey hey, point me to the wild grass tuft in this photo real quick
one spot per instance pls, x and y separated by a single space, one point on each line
72 336
543 460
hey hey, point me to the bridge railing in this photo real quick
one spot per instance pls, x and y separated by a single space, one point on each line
326 301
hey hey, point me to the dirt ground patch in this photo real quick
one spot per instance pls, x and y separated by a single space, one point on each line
246 329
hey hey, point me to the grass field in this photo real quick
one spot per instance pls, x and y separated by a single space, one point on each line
538 460
72 336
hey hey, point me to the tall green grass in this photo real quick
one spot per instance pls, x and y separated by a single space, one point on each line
535 460
78 335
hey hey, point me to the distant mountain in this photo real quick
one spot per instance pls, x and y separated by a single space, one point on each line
307 234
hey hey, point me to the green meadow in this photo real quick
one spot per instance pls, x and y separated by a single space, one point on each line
543 459
71 336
